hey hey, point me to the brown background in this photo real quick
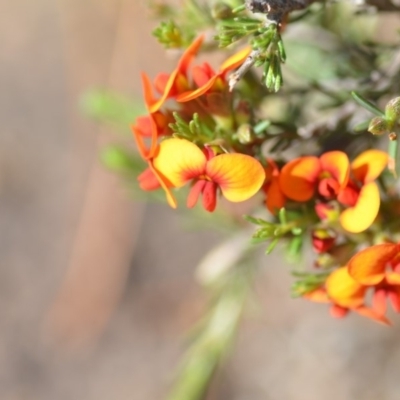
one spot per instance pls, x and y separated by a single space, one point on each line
97 290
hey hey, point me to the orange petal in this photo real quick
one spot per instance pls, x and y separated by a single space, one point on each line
149 98
343 290
235 60
368 266
238 175
337 164
360 217
189 54
193 94
275 197
372 314
179 161
145 152
369 165
181 68
318 295
298 177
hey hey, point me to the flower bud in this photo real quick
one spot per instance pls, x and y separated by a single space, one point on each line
392 110
245 134
221 11
378 126
322 240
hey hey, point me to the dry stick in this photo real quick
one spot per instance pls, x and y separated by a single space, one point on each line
103 244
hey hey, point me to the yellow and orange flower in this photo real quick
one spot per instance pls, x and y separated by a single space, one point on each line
361 193
345 294
178 161
379 267
329 174
173 84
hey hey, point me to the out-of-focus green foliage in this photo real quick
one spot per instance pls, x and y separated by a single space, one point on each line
111 108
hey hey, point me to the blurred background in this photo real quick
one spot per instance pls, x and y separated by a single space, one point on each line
96 289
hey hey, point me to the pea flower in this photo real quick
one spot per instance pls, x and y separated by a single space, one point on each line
345 294
173 84
328 174
361 193
379 267
178 161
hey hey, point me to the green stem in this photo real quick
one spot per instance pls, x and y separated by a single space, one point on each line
393 165
212 344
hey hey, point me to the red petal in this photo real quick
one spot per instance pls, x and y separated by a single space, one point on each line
379 301
338 312
394 297
195 192
328 187
148 180
210 196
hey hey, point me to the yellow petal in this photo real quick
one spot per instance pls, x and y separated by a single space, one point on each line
337 164
236 60
360 217
343 290
369 165
179 161
238 175
368 266
165 184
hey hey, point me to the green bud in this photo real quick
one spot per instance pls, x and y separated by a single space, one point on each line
245 134
281 51
392 110
221 11
378 126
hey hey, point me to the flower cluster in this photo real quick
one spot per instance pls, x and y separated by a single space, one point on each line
217 140
376 268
